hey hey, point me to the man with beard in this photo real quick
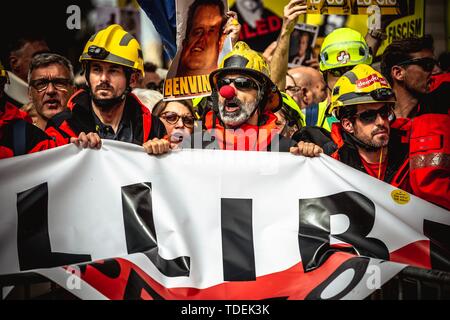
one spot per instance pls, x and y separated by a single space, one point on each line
244 100
362 100
111 60
409 65
423 112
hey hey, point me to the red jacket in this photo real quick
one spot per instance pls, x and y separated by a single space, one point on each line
264 137
18 136
397 169
430 145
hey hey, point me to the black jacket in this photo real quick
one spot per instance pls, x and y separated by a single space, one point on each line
137 125
340 146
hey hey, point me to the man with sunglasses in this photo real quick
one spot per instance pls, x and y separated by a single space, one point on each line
50 79
409 66
423 112
362 100
244 100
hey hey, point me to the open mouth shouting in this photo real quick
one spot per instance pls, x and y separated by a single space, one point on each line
52 103
232 106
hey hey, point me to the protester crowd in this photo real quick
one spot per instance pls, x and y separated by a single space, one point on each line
391 123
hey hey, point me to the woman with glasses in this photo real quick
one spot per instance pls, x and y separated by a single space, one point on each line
178 117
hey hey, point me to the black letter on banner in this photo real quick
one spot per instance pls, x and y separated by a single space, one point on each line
135 287
140 230
358 264
33 239
314 229
439 235
237 240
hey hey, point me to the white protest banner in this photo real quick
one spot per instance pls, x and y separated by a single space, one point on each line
209 224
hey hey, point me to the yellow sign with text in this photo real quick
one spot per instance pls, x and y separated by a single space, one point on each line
400 196
185 87
406 27
352 7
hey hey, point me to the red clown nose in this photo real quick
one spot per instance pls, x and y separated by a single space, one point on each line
227 92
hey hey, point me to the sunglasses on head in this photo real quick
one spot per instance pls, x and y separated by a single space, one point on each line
172 118
382 94
240 83
427 64
155 86
42 84
339 72
370 116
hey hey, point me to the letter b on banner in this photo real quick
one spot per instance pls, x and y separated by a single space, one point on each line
315 229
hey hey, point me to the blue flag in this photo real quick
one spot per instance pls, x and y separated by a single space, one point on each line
162 13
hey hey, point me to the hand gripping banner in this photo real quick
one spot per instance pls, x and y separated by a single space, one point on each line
117 223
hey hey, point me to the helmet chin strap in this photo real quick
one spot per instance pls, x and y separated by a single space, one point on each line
111 102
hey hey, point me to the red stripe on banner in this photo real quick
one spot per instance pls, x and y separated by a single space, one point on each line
415 254
109 277
292 283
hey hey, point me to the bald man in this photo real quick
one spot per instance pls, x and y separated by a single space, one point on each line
306 86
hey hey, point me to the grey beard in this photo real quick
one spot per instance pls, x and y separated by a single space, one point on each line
235 119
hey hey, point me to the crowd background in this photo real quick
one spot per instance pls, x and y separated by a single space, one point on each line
48 19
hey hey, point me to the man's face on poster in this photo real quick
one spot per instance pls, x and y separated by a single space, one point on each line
250 5
202 46
304 44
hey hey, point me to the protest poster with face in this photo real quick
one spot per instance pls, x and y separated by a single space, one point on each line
200 43
302 43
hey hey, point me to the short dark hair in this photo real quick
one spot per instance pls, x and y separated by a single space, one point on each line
346 112
198 3
46 59
150 67
401 50
444 61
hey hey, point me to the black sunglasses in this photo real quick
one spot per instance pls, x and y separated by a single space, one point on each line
155 86
370 116
427 63
239 83
42 84
172 118
382 94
